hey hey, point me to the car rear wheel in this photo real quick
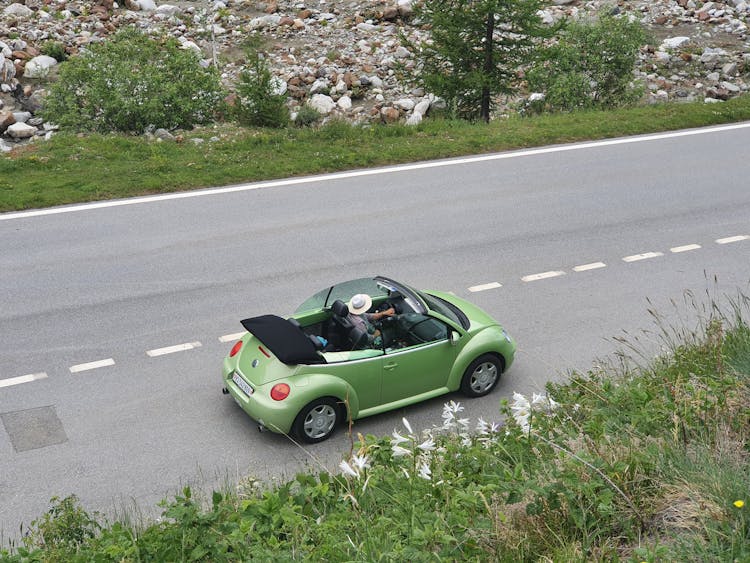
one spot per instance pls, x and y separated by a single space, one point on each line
482 375
317 420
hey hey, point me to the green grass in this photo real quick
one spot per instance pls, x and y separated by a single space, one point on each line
72 169
633 463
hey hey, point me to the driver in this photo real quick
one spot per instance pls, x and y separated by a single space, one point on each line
358 315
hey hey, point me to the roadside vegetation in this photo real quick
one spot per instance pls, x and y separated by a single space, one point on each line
70 168
633 461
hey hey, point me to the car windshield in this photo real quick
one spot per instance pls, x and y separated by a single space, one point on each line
344 291
446 309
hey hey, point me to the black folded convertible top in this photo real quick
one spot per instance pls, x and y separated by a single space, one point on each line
285 340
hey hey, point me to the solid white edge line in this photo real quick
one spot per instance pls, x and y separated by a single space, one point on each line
542 276
484 287
587 267
728 240
92 365
644 256
371 172
172 349
22 379
685 248
231 337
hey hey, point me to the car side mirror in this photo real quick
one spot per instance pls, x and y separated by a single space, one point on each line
454 337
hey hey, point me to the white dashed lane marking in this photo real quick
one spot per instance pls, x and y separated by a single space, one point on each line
732 239
173 349
686 248
484 287
92 365
231 337
587 267
644 256
542 276
476 288
22 379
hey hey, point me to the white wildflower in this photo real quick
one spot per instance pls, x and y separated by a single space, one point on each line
424 471
537 399
398 439
346 468
398 451
465 440
552 403
482 426
520 403
464 422
453 407
407 425
427 446
361 462
406 473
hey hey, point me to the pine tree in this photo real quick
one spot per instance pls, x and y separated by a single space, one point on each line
476 50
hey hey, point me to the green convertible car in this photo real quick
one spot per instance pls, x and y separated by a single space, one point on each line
306 374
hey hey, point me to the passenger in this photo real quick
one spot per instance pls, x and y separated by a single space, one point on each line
358 306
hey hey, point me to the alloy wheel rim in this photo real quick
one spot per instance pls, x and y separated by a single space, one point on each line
320 421
484 377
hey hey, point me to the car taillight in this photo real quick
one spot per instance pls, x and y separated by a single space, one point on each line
235 349
280 391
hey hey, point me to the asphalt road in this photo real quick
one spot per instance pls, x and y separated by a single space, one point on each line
111 316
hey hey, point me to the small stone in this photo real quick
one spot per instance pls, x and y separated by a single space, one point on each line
6 120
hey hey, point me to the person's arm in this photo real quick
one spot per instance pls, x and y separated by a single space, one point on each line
381 314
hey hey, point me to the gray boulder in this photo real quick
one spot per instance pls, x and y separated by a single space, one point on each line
20 131
39 67
18 10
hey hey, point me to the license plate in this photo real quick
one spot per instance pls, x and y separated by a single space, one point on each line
242 384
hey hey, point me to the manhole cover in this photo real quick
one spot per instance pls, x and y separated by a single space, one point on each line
33 428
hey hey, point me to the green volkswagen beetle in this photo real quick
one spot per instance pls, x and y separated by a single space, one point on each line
306 374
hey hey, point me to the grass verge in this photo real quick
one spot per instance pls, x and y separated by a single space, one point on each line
72 169
623 463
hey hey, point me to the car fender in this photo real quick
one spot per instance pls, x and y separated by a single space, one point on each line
313 386
491 340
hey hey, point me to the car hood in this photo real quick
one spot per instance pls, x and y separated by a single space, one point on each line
477 317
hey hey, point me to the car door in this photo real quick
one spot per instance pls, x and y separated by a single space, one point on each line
362 369
421 363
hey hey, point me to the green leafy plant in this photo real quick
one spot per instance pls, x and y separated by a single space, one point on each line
131 82
307 116
590 65
54 49
258 103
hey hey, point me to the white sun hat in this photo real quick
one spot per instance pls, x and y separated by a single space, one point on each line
359 303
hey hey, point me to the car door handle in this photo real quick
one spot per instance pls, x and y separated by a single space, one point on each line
392 365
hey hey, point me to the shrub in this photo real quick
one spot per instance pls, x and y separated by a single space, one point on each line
591 65
307 116
54 49
258 102
131 82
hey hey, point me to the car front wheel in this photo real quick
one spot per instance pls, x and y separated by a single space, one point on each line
317 420
481 376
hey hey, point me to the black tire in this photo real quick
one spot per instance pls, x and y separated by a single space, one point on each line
317 420
482 375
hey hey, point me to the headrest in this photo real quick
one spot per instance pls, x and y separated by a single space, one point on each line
339 308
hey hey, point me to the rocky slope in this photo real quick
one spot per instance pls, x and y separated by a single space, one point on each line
341 55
